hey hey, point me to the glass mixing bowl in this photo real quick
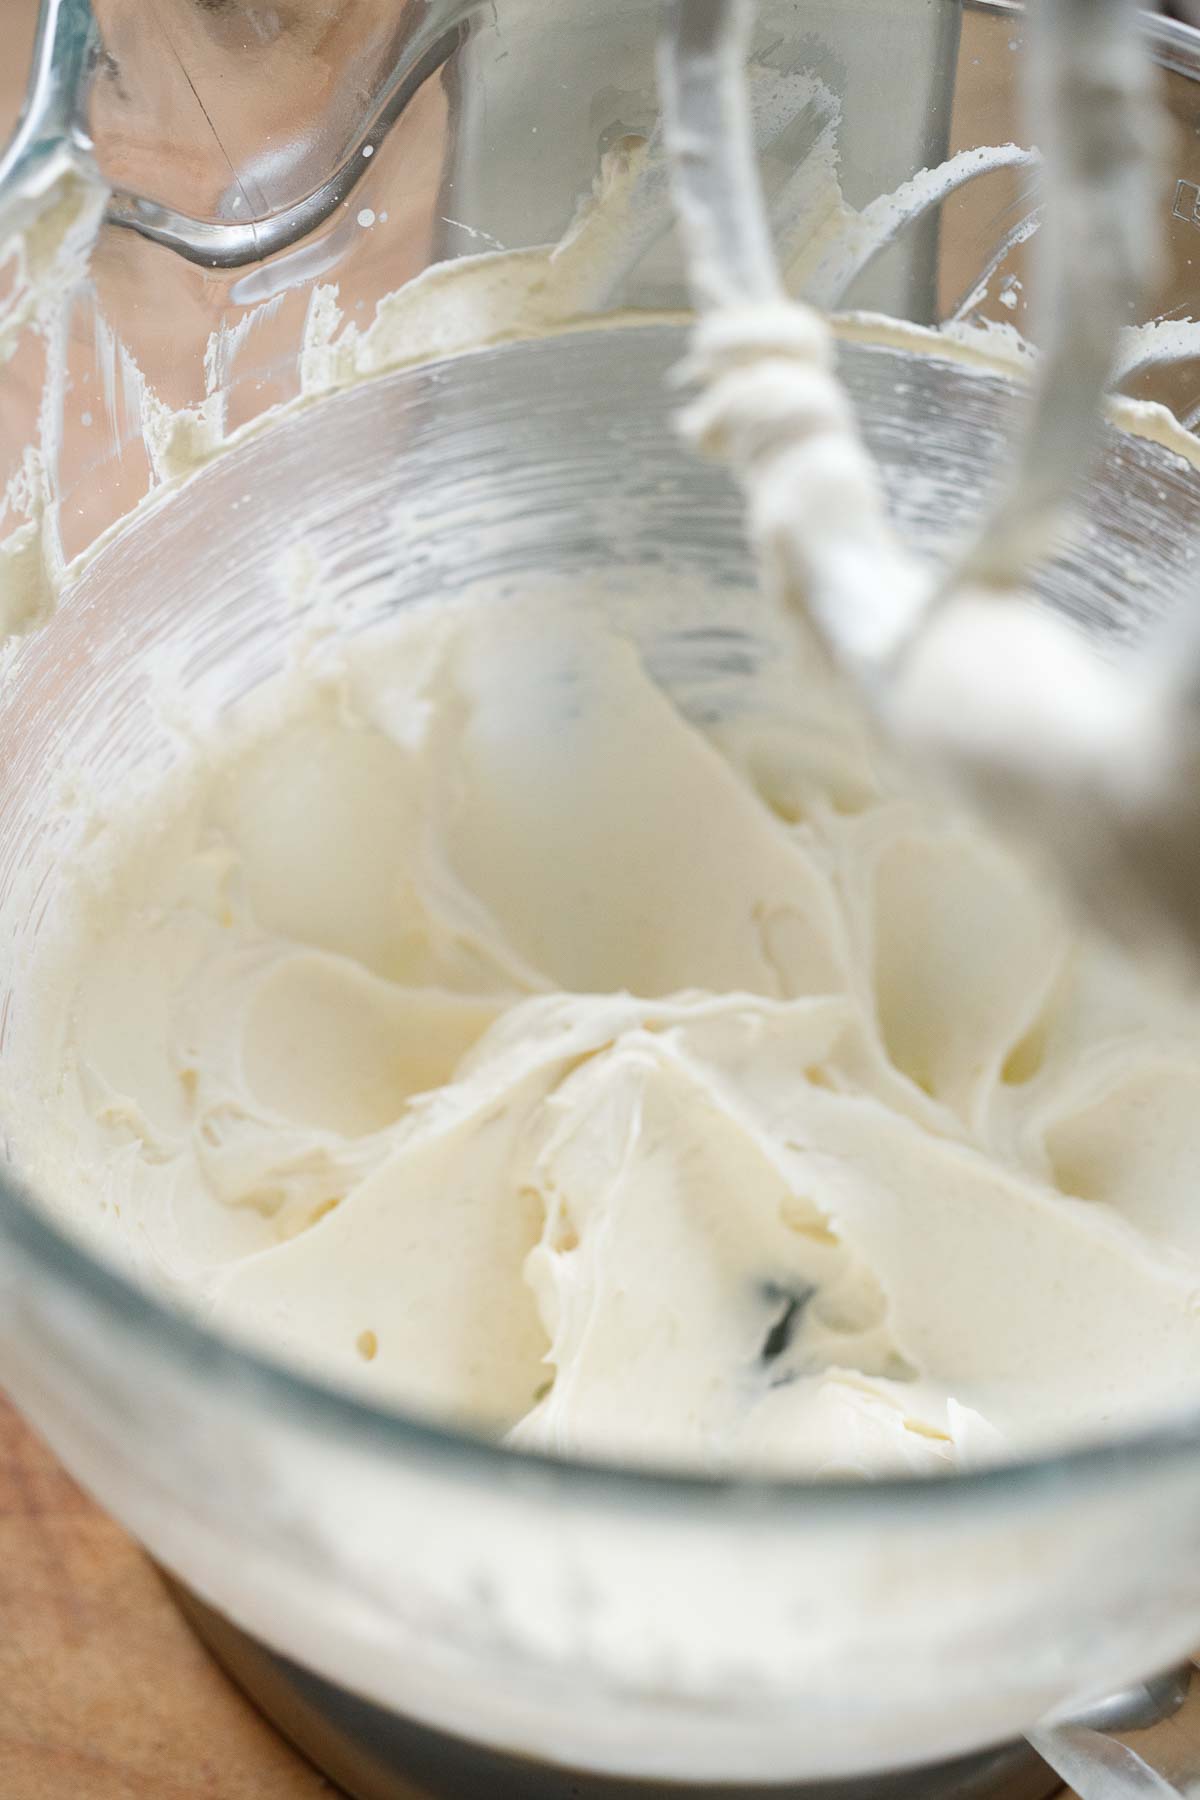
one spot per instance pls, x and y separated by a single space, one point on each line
259 153
587 1618
646 1625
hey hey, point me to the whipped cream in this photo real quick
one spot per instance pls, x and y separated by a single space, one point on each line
476 1022
472 1021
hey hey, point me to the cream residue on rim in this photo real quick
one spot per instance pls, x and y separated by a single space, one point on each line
474 302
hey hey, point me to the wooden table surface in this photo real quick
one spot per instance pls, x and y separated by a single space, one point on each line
104 1693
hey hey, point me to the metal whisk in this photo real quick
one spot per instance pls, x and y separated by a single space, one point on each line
1097 766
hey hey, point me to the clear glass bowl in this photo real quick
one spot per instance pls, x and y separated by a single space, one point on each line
486 122
654 1626
644 1624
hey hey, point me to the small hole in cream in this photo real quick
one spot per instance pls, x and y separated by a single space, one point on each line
919 1428
1025 1059
564 1237
802 1217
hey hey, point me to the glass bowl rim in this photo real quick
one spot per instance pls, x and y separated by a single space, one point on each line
256 1380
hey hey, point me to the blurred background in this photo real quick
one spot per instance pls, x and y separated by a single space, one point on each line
449 127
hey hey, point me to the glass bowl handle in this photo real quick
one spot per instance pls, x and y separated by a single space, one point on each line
51 139
1142 1742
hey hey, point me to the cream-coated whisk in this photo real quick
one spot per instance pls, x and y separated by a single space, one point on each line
1095 762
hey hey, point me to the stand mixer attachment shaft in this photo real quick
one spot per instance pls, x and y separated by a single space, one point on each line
1095 764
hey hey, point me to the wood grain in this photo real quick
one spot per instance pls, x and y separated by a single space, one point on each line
104 1692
